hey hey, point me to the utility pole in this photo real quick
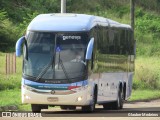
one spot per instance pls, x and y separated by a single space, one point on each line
63 6
132 2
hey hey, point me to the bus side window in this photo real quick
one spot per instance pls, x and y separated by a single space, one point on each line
127 45
122 42
112 41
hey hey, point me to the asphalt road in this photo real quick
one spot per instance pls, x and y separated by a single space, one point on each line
133 111
151 108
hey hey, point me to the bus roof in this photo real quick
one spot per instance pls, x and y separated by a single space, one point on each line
69 22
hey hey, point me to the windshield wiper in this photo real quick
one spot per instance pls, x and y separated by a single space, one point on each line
63 68
52 62
44 70
48 65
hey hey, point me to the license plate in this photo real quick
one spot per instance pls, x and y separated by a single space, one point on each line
52 99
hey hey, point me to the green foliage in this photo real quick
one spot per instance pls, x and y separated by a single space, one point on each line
26 20
147 73
13 98
147 33
18 9
7 32
10 97
144 95
151 5
10 82
15 15
148 23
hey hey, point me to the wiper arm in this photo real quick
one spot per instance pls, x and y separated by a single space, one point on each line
48 65
44 70
64 70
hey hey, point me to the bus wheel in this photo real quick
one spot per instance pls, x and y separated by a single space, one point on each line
107 106
72 107
68 107
36 108
119 103
91 107
64 107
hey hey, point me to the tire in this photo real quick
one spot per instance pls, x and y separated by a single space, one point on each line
68 107
72 107
119 103
91 107
107 106
63 107
36 108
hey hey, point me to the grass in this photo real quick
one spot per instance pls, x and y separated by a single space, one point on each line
144 95
12 81
13 97
10 92
147 73
10 97
3 64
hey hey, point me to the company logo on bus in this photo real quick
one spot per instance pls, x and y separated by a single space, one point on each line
53 92
71 37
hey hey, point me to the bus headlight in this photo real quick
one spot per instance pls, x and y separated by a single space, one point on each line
28 88
79 98
27 97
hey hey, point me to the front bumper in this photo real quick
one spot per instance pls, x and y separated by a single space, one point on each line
80 98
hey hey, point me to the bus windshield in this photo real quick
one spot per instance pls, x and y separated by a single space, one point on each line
53 56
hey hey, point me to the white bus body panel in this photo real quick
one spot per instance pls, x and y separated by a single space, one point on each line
108 85
69 99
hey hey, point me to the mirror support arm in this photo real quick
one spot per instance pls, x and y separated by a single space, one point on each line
90 49
18 46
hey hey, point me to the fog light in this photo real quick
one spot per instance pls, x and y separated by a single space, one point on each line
79 98
27 97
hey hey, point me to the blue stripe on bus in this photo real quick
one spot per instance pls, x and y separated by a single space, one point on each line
52 86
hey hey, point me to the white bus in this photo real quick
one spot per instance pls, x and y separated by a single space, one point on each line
72 60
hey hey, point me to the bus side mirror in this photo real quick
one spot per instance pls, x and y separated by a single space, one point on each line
18 46
90 49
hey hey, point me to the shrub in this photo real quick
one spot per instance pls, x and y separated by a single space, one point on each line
7 32
147 73
10 82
